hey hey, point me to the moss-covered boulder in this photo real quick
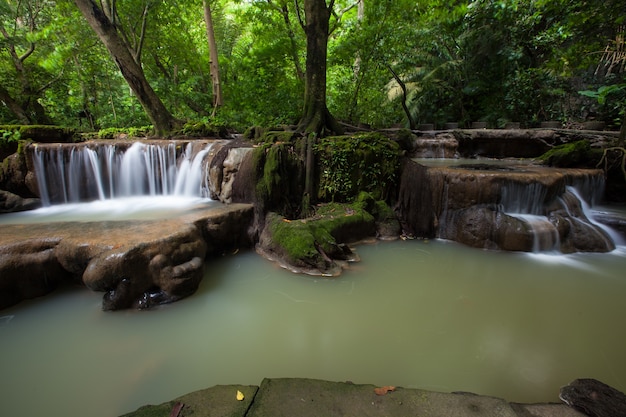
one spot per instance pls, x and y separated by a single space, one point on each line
577 154
317 245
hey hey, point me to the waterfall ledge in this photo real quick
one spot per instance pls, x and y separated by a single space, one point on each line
518 208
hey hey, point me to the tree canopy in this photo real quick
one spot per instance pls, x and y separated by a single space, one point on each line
385 63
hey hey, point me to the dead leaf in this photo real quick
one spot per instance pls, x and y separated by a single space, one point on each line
240 396
384 390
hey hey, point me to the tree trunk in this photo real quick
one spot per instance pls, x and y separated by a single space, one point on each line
160 117
404 97
14 106
316 118
214 66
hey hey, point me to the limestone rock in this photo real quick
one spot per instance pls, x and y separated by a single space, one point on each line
156 271
10 202
28 269
313 246
524 208
135 263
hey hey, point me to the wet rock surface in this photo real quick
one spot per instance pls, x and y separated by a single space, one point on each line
309 397
594 398
488 208
10 203
135 263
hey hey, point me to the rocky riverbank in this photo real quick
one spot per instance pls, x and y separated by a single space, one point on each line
315 398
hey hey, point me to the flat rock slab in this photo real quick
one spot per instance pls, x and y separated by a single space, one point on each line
316 398
306 397
218 401
546 410
136 263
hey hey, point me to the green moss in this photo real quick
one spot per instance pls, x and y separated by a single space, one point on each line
330 225
350 164
571 155
129 132
39 133
205 129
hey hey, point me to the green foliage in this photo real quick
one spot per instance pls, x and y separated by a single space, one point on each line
126 132
460 61
9 136
350 164
611 98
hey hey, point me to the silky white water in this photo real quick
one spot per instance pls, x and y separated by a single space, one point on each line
434 315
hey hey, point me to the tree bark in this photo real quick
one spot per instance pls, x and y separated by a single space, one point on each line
214 66
14 106
316 117
132 72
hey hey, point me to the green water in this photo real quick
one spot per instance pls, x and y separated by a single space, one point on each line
435 315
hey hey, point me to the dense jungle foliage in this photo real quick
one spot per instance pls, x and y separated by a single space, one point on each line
389 63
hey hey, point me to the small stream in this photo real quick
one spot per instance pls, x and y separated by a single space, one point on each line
434 315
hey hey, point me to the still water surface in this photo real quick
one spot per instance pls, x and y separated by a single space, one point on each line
434 315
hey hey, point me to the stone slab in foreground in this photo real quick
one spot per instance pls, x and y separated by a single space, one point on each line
290 397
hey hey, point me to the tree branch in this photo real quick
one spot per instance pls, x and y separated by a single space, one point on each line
302 24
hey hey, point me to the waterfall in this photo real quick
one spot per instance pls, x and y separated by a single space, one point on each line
523 198
84 173
589 214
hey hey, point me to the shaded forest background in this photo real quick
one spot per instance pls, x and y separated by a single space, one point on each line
390 63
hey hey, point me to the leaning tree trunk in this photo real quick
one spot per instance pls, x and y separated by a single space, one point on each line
132 72
316 118
14 106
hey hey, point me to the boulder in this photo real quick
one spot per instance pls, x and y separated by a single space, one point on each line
28 269
161 268
10 203
317 245
135 263
594 398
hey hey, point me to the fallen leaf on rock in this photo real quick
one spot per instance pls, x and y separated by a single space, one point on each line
384 390
240 396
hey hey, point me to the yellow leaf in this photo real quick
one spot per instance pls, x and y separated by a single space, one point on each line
240 396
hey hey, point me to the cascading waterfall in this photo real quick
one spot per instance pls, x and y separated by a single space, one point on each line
77 174
527 202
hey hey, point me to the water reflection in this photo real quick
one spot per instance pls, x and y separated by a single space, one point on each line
431 315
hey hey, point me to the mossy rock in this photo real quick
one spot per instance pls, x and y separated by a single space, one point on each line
43 133
577 154
317 245
205 130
